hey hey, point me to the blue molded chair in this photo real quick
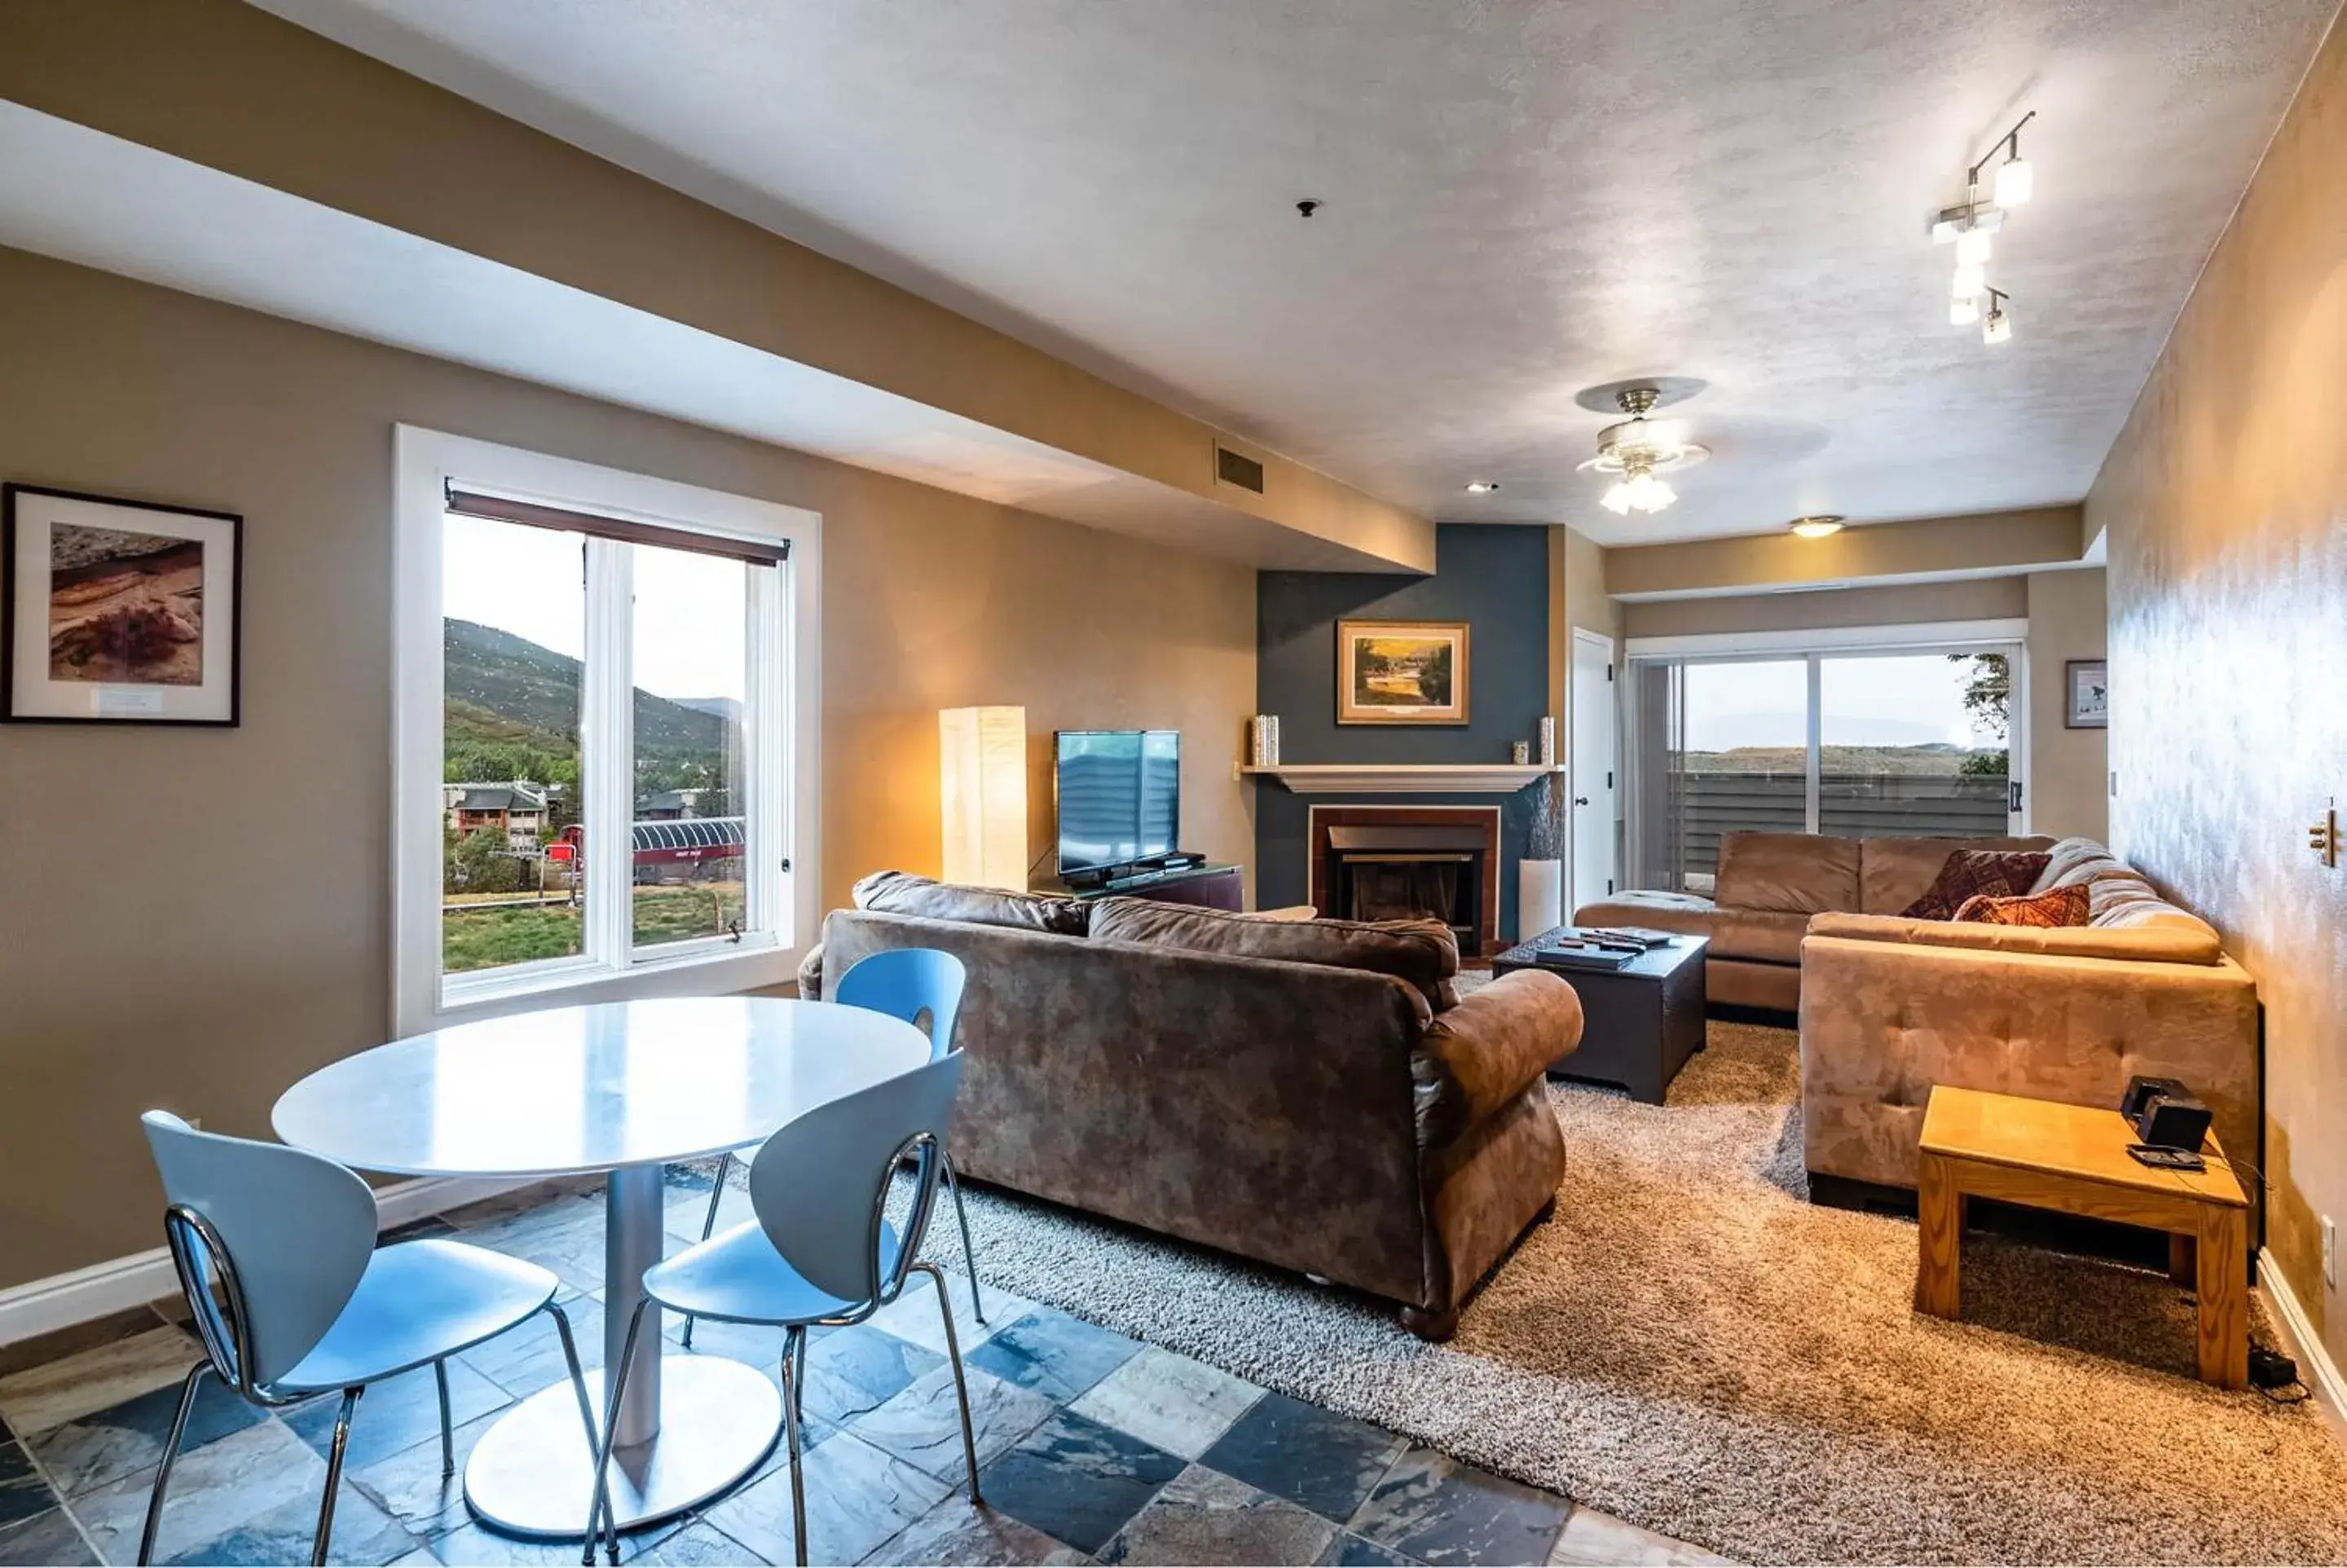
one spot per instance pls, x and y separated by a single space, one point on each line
909 983
275 1250
822 1250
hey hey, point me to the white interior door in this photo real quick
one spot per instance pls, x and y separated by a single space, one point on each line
1592 765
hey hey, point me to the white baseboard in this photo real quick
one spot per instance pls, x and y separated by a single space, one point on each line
44 1305
2315 1368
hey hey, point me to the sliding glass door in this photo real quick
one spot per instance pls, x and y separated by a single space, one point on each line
1914 744
1856 742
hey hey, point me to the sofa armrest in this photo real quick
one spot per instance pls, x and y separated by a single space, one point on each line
2181 941
1883 1022
811 974
1477 1057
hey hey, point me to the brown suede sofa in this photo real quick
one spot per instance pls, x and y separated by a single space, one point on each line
1310 1094
1768 886
1891 1007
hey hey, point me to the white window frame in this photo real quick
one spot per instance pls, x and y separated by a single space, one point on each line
784 827
2007 637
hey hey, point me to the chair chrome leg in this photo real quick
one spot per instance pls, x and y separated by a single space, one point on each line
333 1476
578 1376
962 1389
600 1507
170 1458
709 1225
448 1427
794 1379
969 1253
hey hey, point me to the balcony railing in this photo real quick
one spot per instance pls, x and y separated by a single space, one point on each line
1849 805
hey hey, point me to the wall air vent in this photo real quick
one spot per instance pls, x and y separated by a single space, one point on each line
1232 469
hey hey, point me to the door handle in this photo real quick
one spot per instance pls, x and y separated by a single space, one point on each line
1581 800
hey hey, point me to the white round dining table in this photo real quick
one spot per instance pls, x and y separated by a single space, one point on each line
616 1089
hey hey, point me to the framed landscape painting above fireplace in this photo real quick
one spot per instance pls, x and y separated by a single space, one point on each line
1401 671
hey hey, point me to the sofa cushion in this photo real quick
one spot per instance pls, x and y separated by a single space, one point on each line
1787 873
902 893
1420 953
1761 936
2076 861
1892 873
1976 872
2184 940
1688 912
1665 911
2056 906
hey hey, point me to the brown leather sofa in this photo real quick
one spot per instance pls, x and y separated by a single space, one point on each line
1305 1093
1891 1007
1768 886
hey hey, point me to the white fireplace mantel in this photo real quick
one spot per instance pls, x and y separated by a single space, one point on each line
1406 778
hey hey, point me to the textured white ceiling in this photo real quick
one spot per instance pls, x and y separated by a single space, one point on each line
1523 199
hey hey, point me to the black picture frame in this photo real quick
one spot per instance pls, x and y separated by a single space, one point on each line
2076 713
13 496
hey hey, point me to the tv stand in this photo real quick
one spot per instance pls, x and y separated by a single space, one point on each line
1208 885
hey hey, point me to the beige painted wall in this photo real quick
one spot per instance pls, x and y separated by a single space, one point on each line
2069 769
1979 599
2225 500
2047 536
197 918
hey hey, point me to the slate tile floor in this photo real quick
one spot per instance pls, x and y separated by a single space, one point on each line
1092 1447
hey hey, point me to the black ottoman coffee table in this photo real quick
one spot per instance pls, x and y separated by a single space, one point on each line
1639 1023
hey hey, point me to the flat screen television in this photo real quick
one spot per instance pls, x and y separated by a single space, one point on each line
1120 797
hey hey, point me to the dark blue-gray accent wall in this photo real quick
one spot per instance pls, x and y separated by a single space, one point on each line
1494 576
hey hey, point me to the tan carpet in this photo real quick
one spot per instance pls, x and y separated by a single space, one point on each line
1693 1346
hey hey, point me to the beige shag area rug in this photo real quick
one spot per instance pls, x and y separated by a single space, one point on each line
1692 1346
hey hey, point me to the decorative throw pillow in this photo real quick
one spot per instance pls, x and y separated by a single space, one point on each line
2054 906
1974 873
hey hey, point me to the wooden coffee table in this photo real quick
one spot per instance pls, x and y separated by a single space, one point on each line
2074 1159
1639 1023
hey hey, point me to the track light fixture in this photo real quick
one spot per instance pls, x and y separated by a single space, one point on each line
2015 181
1968 227
1997 325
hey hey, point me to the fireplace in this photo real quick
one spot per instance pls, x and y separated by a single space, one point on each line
1400 863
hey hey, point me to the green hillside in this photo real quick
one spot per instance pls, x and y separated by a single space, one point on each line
512 712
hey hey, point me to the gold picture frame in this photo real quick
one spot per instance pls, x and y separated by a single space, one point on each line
1401 671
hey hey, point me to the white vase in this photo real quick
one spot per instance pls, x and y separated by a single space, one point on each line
1540 897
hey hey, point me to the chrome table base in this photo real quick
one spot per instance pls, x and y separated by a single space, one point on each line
690 1428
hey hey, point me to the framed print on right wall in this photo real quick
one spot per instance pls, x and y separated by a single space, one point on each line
2088 684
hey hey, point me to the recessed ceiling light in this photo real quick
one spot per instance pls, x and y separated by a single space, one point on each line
1483 486
1819 526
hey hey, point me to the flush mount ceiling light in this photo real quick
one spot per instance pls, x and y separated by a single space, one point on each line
1968 226
1638 451
1818 526
1483 486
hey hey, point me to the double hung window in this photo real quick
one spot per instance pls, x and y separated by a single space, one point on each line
605 718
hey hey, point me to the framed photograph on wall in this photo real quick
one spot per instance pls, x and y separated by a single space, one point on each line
2090 696
1401 671
117 612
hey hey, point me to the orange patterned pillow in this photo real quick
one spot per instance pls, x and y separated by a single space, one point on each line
2054 906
